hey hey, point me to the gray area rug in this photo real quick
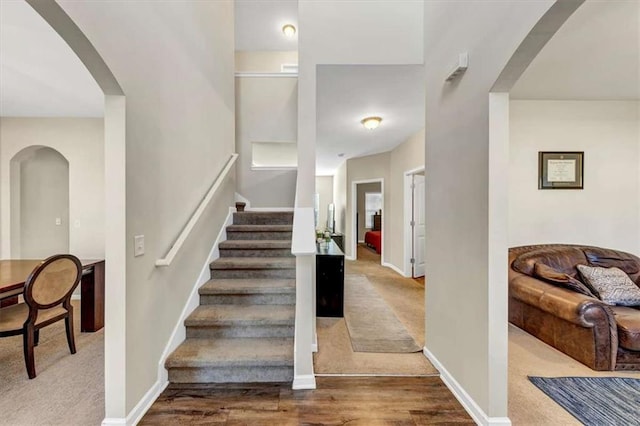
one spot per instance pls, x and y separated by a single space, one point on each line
372 325
595 400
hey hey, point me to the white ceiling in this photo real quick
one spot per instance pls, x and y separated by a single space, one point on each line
348 93
594 55
40 76
258 24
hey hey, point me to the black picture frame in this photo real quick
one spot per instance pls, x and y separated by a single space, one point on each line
561 170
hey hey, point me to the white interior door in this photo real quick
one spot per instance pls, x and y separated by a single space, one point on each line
418 225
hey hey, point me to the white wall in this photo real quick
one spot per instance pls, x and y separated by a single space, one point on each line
367 168
461 317
605 213
266 111
175 63
264 61
405 157
340 197
324 188
81 142
44 204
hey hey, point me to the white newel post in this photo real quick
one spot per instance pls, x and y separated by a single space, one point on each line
304 248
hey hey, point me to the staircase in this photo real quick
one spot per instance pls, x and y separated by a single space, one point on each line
243 330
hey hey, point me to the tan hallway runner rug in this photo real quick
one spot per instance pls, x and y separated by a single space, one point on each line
372 325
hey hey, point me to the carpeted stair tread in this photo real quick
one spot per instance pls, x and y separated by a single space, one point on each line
260 228
257 218
253 263
243 329
255 244
247 286
232 352
240 316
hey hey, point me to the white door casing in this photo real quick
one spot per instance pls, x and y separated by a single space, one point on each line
419 243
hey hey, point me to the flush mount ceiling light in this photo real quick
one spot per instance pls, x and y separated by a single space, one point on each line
371 123
289 30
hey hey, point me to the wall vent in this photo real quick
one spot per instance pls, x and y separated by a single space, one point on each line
289 68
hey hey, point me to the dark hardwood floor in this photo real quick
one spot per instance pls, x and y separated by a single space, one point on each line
336 401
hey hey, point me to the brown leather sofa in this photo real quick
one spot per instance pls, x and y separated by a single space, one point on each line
600 336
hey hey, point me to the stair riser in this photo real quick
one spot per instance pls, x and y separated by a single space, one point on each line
248 299
253 273
258 235
209 332
256 253
265 218
231 375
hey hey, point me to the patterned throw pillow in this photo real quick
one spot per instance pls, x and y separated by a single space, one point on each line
612 284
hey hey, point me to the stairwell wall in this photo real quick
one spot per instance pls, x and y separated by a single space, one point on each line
266 111
175 63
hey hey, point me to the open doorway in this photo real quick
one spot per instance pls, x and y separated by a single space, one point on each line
39 203
62 123
554 133
368 219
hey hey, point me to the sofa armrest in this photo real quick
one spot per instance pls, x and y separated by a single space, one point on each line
566 304
573 309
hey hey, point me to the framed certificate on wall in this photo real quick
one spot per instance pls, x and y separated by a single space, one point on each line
560 170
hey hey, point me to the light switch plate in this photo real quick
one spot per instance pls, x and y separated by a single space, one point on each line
138 245
58 221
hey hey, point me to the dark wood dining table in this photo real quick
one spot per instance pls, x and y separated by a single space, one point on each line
14 273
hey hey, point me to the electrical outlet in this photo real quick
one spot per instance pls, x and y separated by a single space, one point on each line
138 245
58 221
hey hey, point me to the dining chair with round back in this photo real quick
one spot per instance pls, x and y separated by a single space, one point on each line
47 299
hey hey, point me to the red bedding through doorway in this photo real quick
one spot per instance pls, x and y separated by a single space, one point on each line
374 239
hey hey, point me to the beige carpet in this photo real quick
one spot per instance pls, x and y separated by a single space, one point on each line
405 297
529 356
68 389
372 325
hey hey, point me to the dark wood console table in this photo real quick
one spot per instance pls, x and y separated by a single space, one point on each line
14 273
329 280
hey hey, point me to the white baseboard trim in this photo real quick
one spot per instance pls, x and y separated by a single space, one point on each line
395 268
179 332
305 381
477 414
134 417
375 375
112 421
350 257
269 209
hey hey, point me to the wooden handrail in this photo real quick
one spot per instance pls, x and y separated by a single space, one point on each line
166 261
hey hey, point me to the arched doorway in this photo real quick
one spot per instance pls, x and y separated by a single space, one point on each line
39 203
115 198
